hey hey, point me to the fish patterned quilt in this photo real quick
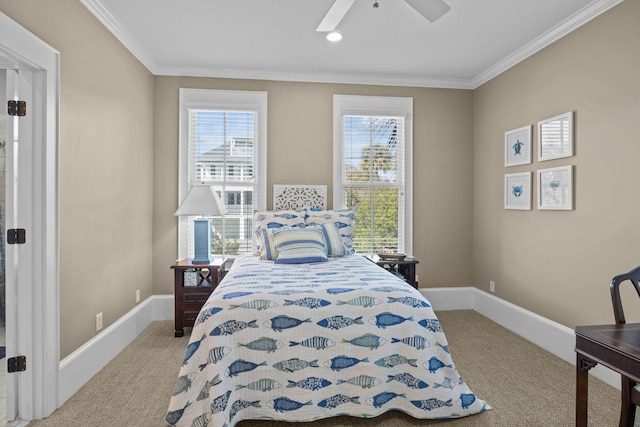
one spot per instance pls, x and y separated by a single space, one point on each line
300 342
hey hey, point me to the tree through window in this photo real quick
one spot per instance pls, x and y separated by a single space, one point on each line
374 177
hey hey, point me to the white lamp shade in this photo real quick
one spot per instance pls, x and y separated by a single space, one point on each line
201 200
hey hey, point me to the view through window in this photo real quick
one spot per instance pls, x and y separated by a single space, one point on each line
222 155
224 151
374 178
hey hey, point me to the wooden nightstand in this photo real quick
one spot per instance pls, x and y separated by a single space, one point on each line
193 284
404 268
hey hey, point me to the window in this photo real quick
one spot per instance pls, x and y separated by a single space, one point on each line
223 144
372 169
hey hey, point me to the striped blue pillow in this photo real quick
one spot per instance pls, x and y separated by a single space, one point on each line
343 219
301 245
268 249
275 220
333 241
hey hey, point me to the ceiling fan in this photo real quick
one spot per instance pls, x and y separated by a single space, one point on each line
430 9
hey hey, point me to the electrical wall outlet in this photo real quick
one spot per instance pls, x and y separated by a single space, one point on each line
98 321
137 296
492 286
417 280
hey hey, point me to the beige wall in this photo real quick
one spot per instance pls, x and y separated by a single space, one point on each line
119 149
118 166
556 263
106 162
300 141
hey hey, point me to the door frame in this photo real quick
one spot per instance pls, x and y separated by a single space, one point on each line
37 333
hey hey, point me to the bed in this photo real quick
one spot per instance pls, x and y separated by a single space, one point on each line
304 341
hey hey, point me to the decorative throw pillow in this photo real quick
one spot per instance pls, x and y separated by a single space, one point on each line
267 240
343 219
332 240
275 220
300 245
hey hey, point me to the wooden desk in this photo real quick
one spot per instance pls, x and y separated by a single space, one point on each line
614 346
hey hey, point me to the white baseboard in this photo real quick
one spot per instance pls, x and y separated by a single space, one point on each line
551 336
81 365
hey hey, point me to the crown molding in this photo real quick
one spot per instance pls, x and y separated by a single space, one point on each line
338 78
578 19
104 15
594 9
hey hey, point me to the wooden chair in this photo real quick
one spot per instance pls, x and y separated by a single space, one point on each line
630 394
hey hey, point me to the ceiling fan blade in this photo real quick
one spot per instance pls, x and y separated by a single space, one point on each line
335 15
430 9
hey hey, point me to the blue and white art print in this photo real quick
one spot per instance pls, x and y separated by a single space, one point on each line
517 191
555 188
517 146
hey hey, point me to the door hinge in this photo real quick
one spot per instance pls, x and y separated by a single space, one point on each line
17 108
16 364
16 236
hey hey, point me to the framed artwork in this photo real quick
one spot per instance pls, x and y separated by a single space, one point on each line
555 137
517 191
517 146
555 188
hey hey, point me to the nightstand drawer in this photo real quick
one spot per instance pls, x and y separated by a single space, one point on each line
189 316
199 296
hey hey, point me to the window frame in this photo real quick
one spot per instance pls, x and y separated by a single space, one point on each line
220 100
375 106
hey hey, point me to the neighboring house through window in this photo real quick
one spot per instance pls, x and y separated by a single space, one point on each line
372 169
223 144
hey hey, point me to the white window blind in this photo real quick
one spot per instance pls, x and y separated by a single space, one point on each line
371 156
225 148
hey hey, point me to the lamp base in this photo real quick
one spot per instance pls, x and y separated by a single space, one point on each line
201 241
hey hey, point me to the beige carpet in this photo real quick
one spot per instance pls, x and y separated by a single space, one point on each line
525 385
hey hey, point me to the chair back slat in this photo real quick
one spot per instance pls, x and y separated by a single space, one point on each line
634 277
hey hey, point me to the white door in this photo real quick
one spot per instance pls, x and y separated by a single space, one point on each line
31 70
19 143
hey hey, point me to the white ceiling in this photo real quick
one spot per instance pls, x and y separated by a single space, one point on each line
389 45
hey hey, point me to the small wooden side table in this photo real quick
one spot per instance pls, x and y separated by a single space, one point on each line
193 283
404 268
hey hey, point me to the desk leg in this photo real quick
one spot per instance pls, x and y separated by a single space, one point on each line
583 365
628 410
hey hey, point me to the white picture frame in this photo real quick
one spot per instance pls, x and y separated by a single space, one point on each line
555 188
517 191
555 137
518 146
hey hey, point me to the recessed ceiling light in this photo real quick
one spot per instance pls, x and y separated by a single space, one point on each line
334 36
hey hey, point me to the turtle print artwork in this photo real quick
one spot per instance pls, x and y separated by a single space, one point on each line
518 146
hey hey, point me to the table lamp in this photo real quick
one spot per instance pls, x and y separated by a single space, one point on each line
201 200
